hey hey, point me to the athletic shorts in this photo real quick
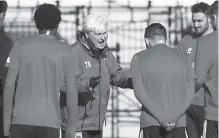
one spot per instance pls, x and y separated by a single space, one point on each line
27 131
160 132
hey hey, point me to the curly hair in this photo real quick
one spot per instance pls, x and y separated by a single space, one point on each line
47 16
3 6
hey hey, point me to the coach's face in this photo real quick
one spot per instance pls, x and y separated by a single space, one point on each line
200 22
99 39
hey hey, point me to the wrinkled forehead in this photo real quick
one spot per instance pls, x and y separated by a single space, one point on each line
198 16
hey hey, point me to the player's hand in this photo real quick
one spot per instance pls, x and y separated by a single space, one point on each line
169 125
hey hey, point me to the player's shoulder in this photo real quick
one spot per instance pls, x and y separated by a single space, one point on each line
76 44
208 41
179 55
141 53
188 38
208 38
209 44
7 39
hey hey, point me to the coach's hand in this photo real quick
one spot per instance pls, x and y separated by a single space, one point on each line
94 81
84 98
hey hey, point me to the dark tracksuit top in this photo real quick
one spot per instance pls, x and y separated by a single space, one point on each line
207 72
188 45
41 63
161 80
5 48
111 74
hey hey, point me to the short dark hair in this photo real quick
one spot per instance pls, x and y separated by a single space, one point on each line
3 6
213 9
47 16
200 7
155 29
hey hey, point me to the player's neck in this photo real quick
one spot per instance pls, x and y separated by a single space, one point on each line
48 32
210 30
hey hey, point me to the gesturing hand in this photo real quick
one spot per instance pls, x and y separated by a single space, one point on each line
94 81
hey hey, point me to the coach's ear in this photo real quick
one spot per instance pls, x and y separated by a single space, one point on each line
147 43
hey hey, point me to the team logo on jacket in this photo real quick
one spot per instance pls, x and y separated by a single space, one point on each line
87 64
189 51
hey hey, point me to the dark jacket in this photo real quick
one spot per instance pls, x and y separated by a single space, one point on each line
93 64
5 48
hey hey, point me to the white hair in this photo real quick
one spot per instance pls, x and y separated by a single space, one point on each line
95 23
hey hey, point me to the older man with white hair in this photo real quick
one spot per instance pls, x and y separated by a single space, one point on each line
99 69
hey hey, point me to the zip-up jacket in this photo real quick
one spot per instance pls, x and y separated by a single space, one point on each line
104 64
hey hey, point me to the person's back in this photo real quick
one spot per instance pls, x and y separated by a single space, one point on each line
38 66
163 80
164 72
42 66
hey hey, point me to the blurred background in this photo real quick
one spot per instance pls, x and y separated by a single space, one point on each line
128 20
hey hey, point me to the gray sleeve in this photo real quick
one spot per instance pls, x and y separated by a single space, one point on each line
119 77
203 63
181 46
189 92
9 91
72 70
13 60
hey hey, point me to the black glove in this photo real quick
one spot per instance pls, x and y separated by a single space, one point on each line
129 83
62 100
94 81
84 98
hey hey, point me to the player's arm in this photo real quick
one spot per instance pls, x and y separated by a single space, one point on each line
9 89
119 77
181 46
72 70
203 64
189 92
8 95
141 94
